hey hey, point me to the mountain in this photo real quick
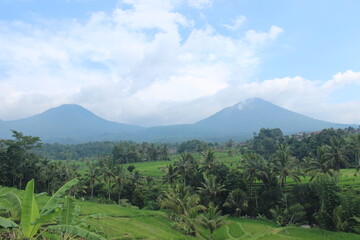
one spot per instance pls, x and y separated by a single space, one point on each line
71 123
238 122
68 123
253 114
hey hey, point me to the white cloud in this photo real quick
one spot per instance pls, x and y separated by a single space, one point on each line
236 24
200 3
127 65
342 79
261 38
312 98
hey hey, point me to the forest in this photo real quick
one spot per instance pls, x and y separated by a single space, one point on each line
295 180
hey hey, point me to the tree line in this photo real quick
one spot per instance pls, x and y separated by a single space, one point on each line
195 187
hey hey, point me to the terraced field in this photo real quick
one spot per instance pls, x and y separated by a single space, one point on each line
132 223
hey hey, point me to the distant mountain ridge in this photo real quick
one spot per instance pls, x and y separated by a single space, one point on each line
68 123
71 123
255 113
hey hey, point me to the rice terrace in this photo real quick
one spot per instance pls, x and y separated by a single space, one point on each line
179 119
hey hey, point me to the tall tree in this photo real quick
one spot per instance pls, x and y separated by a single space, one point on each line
185 166
119 180
212 219
252 170
236 201
18 162
92 175
335 154
170 175
107 166
182 206
210 189
286 165
209 161
355 147
318 164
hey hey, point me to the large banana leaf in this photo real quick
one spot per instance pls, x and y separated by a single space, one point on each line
30 212
48 217
77 231
52 203
12 203
6 223
69 213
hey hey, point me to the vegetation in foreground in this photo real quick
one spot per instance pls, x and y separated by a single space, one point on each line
257 185
117 222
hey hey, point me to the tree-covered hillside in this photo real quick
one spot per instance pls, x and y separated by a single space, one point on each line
290 180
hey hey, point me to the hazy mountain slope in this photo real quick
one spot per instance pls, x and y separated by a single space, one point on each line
253 114
68 123
74 124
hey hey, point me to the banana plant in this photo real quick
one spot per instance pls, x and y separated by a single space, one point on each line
10 207
57 218
31 217
7 223
69 222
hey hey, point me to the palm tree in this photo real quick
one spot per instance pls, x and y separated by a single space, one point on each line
355 146
107 165
236 201
335 154
285 165
318 164
209 161
185 167
252 170
136 178
119 179
182 206
170 175
92 176
212 219
211 188
45 174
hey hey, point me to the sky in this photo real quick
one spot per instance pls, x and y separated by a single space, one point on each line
162 62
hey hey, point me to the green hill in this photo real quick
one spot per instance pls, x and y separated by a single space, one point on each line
132 223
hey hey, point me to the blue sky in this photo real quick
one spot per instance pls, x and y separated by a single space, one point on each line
152 62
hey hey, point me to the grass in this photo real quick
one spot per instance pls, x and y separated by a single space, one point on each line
158 168
133 223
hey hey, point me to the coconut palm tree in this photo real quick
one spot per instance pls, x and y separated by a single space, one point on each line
236 201
92 175
119 175
211 188
285 165
318 164
170 175
107 165
182 206
355 146
335 154
212 219
184 166
252 166
209 161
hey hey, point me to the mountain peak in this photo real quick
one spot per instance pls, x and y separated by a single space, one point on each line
250 103
68 123
253 114
68 107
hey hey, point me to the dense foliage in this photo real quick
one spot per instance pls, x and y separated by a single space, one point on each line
195 188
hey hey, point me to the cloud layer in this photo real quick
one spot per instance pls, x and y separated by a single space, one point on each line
137 65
